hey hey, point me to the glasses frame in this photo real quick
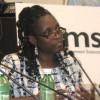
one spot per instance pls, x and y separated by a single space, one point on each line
56 32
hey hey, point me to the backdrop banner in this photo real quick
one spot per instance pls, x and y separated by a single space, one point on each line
83 28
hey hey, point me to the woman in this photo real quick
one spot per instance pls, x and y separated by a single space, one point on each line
42 46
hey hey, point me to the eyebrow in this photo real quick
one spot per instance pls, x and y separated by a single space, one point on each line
50 28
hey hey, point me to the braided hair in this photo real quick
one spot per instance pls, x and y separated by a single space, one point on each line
26 23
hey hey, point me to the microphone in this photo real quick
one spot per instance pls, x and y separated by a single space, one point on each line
19 85
71 53
35 81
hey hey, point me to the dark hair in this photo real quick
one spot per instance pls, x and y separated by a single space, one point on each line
27 20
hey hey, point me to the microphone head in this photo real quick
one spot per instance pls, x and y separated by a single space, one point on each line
71 53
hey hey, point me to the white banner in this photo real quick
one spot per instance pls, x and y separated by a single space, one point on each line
83 27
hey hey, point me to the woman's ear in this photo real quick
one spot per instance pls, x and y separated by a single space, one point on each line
32 40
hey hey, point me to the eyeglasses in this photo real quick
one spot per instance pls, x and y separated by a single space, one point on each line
51 34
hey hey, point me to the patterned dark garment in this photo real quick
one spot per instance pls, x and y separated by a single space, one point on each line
67 80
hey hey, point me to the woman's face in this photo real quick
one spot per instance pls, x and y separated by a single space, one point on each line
48 24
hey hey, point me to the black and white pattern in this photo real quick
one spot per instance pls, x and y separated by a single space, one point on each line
68 80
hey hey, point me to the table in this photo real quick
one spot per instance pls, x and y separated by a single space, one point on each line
25 98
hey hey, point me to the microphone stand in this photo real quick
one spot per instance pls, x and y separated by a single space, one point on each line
19 85
36 81
72 54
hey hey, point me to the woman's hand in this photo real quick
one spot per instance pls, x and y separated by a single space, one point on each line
60 97
84 94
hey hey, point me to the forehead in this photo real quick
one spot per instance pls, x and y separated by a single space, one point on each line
47 21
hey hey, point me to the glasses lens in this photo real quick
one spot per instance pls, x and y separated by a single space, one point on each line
52 34
59 31
62 30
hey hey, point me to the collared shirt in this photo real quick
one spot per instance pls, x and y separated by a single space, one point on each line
67 81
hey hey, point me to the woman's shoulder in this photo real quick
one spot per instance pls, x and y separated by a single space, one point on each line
12 56
13 60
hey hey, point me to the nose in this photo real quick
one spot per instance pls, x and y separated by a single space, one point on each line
58 34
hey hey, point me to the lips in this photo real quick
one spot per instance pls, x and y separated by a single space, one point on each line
59 44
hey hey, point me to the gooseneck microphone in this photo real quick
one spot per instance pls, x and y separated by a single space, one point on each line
71 53
33 81
19 85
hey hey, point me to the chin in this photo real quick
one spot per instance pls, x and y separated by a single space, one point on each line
59 50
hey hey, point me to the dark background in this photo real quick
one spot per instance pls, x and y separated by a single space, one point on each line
8 36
